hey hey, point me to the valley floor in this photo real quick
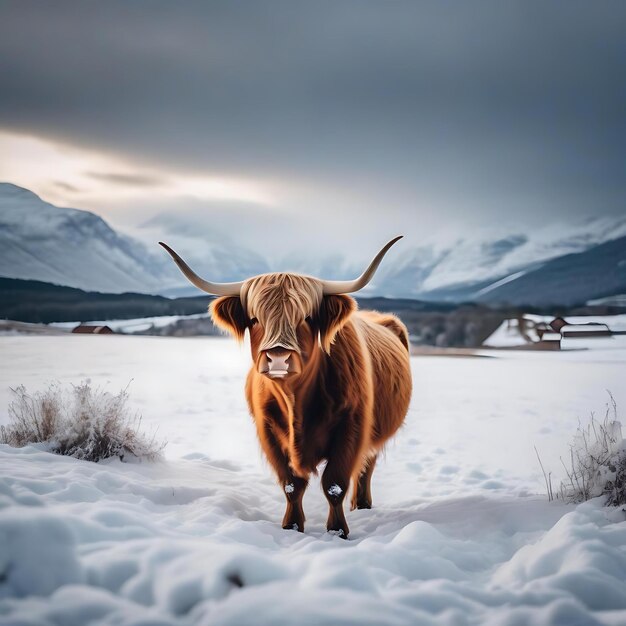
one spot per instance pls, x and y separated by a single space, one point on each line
460 533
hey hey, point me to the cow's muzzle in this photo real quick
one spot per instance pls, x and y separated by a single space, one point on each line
279 363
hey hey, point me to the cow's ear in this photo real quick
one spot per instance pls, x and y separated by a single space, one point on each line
333 314
228 314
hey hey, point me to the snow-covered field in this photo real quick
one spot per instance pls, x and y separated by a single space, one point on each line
460 533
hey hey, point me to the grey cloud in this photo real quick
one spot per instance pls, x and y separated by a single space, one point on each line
59 184
485 108
128 180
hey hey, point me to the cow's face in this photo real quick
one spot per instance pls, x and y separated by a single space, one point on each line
288 318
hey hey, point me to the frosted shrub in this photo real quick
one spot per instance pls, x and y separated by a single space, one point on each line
86 423
597 461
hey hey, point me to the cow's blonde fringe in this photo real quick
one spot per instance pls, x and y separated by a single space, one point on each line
300 297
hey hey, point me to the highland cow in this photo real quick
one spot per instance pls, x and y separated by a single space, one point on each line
328 382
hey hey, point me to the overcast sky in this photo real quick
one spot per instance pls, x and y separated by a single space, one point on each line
381 117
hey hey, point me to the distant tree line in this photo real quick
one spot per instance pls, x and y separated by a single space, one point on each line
38 302
429 323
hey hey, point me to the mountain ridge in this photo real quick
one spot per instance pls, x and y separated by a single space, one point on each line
77 248
70 247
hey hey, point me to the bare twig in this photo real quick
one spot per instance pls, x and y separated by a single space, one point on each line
545 477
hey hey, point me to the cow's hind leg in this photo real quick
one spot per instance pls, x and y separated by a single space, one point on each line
294 488
362 492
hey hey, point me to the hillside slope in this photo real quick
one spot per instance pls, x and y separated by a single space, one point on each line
39 241
567 280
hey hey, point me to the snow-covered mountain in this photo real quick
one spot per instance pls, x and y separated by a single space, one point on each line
462 268
569 279
204 240
40 241
70 247
77 248
471 268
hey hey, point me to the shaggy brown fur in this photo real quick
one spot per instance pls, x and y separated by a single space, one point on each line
347 393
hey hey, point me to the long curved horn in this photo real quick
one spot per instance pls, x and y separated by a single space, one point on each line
335 287
217 289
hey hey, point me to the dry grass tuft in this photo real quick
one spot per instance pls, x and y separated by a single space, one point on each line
597 462
80 421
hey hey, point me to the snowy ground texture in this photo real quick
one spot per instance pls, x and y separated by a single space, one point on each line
460 532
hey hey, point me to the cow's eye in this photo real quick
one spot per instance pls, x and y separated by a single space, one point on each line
309 320
254 321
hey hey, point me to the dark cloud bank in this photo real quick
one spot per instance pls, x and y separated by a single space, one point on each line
486 109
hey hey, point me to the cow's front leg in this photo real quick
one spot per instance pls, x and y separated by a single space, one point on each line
344 460
335 481
294 488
